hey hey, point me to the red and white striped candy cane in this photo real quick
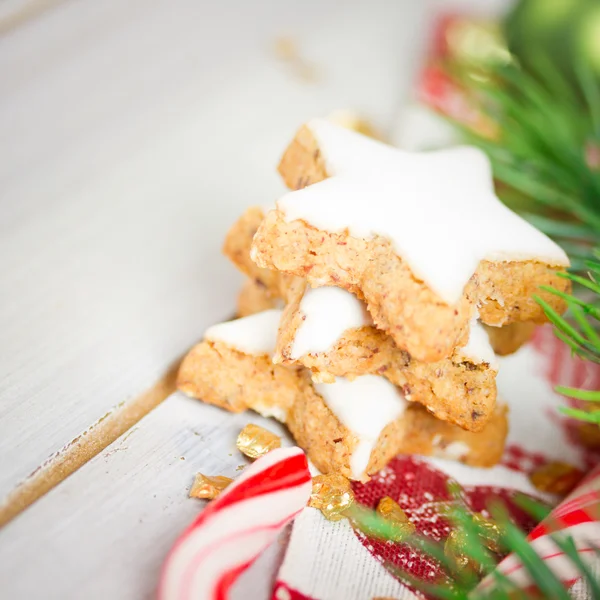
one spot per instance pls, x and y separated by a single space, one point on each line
576 516
236 527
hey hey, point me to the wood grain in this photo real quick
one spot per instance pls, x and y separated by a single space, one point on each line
85 446
136 134
105 531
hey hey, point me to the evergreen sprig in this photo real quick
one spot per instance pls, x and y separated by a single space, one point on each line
545 153
544 149
461 584
580 330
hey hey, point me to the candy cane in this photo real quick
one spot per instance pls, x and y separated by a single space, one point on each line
576 516
236 527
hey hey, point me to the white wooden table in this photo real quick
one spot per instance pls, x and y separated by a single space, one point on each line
132 135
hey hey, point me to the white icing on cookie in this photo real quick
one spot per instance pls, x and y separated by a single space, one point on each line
364 406
256 334
478 349
328 312
438 209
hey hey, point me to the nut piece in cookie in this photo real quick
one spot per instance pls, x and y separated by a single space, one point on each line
420 236
329 331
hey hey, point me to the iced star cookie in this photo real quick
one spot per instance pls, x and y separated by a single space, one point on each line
232 368
237 245
343 433
329 331
420 236
267 288
350 427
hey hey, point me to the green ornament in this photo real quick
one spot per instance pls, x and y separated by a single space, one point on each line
555 33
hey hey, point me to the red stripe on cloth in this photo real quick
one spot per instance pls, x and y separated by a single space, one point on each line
519 565
288 473
575 517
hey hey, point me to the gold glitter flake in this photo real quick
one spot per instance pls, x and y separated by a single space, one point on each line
207 487
556 478
390 510
255 441
332 495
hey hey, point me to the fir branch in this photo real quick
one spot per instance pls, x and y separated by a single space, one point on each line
543 131
460 585
579 330
544 578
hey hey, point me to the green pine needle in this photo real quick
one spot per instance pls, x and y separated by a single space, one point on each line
578 312
533 507
567 545
588 283
545 129
587 395
581 415
545 154
574 301
539 572
560 323
457 585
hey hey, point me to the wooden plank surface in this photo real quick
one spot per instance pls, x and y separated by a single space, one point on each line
133 134
105 531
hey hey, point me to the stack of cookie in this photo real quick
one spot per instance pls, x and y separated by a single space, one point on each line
379 293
